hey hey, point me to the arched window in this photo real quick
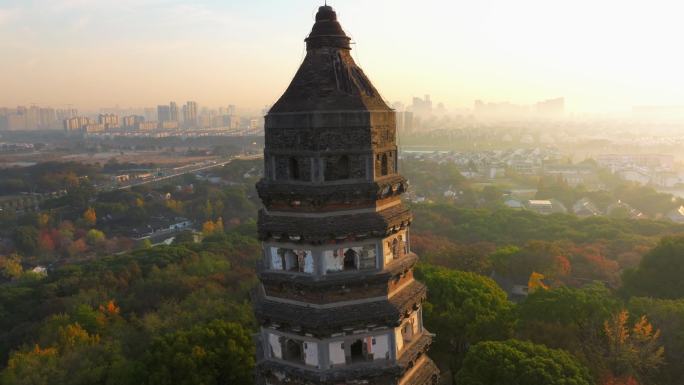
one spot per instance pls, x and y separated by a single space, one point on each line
294 169
293 351
350 259
383 165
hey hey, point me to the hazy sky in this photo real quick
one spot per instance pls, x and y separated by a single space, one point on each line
599 54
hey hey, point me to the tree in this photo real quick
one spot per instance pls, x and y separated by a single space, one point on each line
36 367
94 236
668 317
218 353
463 308
90 217
569 319
26 239
634 351
660 272
10 267
516 362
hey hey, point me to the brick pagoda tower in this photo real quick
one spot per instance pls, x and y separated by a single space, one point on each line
337 302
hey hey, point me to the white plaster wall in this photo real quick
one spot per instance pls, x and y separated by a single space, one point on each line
381 347
334 260
309 262
336 353
274 341
276 261
311 353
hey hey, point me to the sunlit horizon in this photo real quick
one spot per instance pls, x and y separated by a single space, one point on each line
600 56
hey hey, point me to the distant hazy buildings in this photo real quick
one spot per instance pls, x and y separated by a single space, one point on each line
190 114
187 119
33 118
173 112
131 122
422 106
163 113
109 121
76 124
551 108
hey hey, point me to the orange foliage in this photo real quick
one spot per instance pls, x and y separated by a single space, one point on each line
536 282
211 227
43 220
45 242
79 246
610 380
562 265
110 308
90 217
74 335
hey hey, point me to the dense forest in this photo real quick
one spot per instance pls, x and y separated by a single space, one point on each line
605 303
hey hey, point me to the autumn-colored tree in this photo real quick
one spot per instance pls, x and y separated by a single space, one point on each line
632 351
10 266
73 335
444 252
46 244
212 227
536 282
78 247
43 220
90 217
569 319
208 228
611 380
36 366
95 236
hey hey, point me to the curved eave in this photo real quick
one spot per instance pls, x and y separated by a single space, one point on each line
325 322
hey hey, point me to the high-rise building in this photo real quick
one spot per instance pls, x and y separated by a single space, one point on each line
163 113
190 114
150 114
131 122
337 303
109 121
173 112
77 124
66 114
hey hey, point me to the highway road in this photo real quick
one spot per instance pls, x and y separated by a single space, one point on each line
187 170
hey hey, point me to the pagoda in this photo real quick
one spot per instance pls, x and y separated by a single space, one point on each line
337 302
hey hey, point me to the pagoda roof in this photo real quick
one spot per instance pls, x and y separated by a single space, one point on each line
329 79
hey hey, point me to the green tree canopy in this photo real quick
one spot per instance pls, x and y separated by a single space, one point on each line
219 353
516 362
464 308
660 272
569 319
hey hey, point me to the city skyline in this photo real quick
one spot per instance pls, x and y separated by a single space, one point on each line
601 57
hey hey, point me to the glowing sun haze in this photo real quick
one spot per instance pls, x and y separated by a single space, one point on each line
600 55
